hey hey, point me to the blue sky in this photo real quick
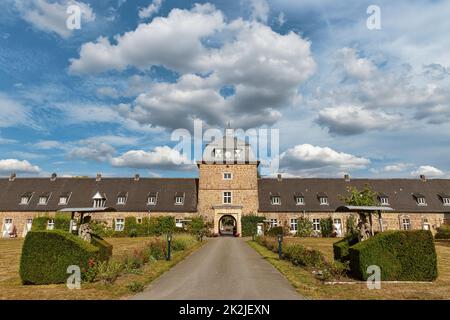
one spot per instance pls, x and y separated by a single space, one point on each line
106 98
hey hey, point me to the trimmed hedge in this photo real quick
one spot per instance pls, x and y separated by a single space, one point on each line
443 232
47 254
301 256
401 256
340 248
249 224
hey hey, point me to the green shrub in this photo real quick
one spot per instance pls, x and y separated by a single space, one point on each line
275 231
301 256
401 256
340 248
39 223
47 254
443 232
132 228
101 229
249 223
350 228
304 227
196 225
108 271
62 222
135 286
183 241
157 249
326 227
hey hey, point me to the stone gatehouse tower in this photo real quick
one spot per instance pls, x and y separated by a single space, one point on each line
228 181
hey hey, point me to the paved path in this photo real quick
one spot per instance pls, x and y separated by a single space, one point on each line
224 268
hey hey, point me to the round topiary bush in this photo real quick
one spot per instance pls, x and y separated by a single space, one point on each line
47 254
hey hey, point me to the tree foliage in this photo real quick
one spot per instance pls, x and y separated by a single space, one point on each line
355 197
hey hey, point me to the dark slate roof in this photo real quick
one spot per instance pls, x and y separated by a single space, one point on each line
400 193
82 190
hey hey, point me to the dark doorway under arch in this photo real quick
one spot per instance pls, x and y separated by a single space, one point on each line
227 226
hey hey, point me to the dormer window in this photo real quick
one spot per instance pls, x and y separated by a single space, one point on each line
384 200
275 200
25 198
152 198
43 200
99 200
179 198
323 199
122 198
445 199
420 199
299 199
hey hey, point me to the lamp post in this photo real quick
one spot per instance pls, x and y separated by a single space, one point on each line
169 242
280 242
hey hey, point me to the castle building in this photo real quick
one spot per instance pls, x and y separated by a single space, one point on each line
228 187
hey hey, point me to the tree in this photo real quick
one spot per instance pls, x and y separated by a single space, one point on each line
304 227
326 227
355 197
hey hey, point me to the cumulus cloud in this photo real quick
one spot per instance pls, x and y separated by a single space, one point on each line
151 9
107 92
260 10
162 157
354 66
349 120
264 69
307 160
397 167
428 171
49 16
18 166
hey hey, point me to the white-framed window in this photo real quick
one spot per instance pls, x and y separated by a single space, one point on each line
151 200
43 200
316 224
323 201
384 201
275 200
120 224
273 223
179 200
99 203
25 199
227 197
179 223
63 200
50 224
406 224
446 201
421 201
294 224
121 199
300 201
227 176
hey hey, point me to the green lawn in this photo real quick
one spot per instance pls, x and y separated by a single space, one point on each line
11 287
307 285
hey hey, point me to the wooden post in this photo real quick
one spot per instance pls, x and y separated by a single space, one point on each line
380 220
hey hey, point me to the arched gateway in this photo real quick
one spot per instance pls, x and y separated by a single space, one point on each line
228 181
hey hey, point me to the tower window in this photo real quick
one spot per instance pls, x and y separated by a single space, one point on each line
227 176
227 197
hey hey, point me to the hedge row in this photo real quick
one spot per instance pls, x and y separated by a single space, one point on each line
443 232
47 254
249 224
341 248
401 256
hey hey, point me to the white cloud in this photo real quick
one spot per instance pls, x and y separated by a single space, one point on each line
48 144
162 157
92 151
260 10
397 167
18 166
107 92
52 16
12 112
428 171
281 19
151 9
307 160
354 66
262 68
349 120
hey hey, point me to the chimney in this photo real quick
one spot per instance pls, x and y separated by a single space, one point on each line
12 177
136 177
347 177
53 178
423 178
99 177
279 177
